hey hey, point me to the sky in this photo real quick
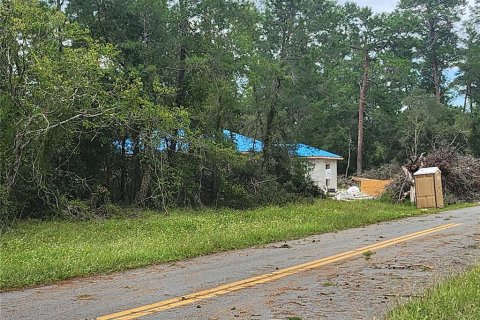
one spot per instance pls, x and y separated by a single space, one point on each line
376 5
380 5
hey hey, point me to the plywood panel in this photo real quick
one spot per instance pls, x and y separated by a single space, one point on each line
372 187
425 190
439 190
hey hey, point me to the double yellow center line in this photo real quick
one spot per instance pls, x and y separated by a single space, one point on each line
250 282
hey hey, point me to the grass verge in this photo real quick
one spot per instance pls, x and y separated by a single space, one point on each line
40 252
457 298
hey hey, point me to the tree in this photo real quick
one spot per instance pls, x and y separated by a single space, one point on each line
432 21
283 70
428 125
366 32
332 120
57 100
469 65
34 82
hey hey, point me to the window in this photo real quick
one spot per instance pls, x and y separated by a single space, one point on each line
328 175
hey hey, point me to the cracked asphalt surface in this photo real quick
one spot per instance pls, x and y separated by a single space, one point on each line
356 288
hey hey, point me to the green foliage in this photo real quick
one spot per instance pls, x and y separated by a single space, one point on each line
215 174
368 254
428 125
475 134
7 208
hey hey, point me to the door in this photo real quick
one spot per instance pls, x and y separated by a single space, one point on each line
425 189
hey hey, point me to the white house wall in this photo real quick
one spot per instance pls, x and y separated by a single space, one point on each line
318 172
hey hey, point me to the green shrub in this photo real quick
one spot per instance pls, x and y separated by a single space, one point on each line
7 208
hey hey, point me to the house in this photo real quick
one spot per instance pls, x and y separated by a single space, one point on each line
323 163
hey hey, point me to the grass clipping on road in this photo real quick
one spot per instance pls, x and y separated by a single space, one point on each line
458 298
39 252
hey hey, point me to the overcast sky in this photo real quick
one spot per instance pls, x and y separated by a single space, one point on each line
376 5
380 5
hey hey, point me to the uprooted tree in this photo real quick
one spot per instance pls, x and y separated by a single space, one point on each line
460 175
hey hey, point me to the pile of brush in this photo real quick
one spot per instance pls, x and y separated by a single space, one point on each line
460 176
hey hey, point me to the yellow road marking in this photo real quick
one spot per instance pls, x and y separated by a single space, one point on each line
250 282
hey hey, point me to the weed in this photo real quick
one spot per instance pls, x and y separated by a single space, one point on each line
328 284
425 268
368 254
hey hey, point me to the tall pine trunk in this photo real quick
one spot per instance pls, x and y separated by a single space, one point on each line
182 55
361 112
436 76
269 130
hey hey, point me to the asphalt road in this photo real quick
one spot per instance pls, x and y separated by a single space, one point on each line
320 277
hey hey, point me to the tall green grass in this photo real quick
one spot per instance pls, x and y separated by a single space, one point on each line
39 252
457 298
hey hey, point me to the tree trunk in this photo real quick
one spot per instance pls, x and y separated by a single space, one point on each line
434 60
467 95
268 139
349 156
123 173
361 112
411 183
20 143
145 30
59 4
180 95
144 186
182 55
436 80
136 172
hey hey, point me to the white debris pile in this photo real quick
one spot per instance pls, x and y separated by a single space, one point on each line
352 193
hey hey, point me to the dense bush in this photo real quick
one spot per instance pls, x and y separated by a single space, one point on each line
384 172
201 173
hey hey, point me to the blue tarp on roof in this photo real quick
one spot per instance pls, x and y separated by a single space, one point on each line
303 150
243 143
247 144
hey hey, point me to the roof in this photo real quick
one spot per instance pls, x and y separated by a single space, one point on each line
243 143
430 170
156 136
247 144
303 150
